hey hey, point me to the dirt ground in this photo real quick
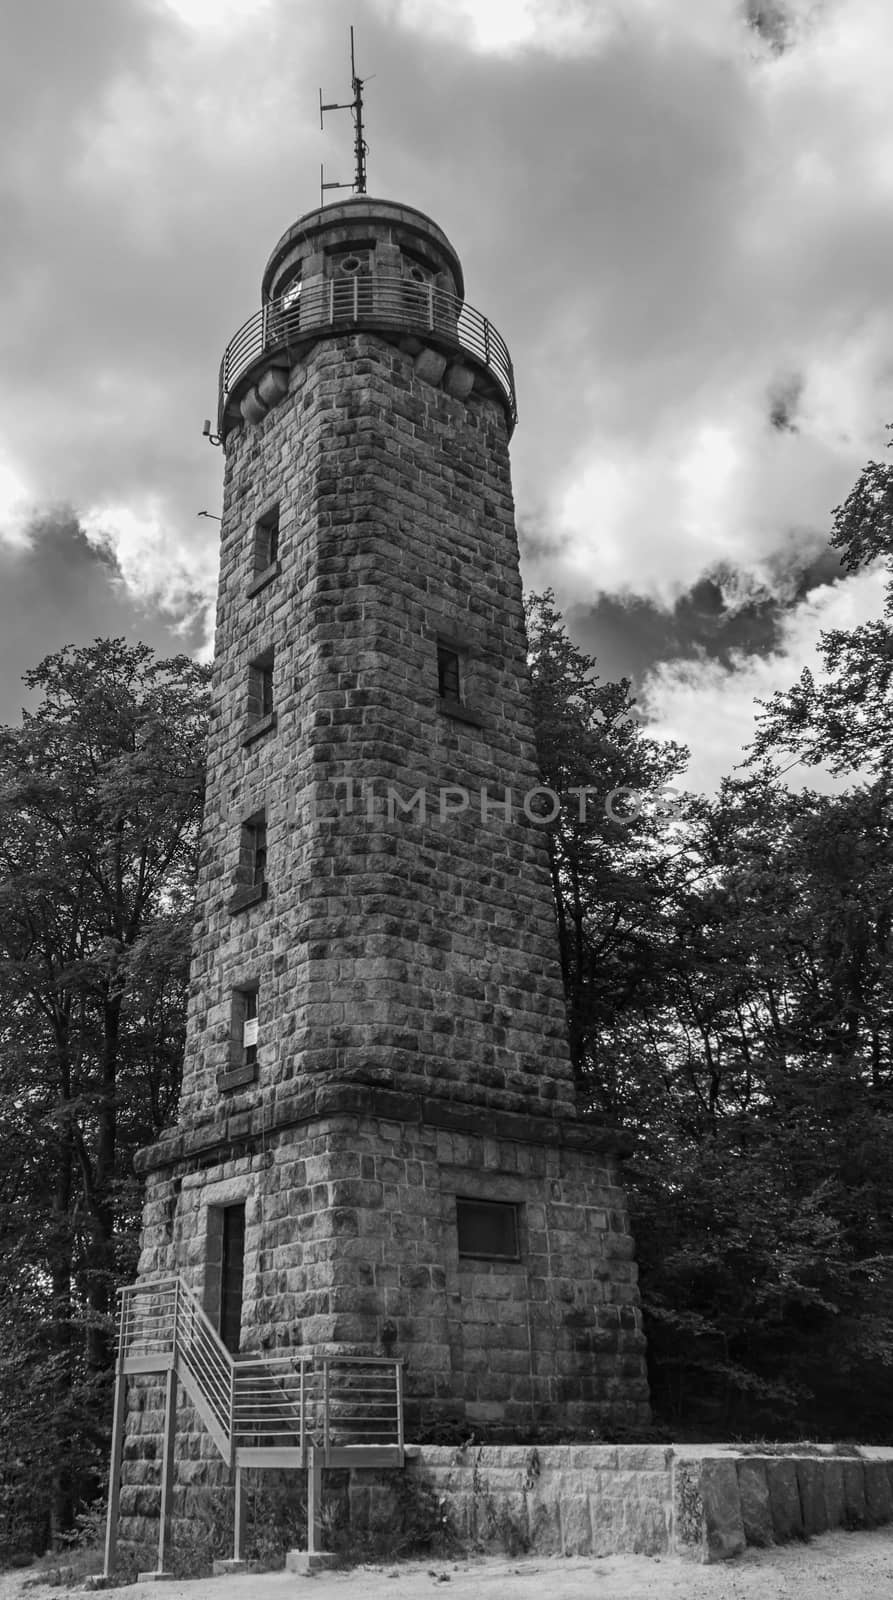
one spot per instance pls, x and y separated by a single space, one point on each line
853 1566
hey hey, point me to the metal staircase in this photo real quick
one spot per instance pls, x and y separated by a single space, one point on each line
260 1410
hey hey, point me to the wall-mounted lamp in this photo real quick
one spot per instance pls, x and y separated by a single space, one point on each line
210 515
212 438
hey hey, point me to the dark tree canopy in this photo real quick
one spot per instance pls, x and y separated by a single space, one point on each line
100 805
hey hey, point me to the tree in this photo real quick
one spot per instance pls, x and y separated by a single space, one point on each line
612 861
763 1205
729 998
100 804
846 720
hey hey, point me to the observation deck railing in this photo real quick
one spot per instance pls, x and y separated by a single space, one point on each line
386 304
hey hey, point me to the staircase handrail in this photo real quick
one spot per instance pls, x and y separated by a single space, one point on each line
226 1390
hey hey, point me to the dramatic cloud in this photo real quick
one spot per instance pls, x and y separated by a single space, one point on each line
58 588
710 706
679 218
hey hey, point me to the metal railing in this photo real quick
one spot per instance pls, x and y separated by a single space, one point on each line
370 302
269 1402
361 1402
260 1410
254 1400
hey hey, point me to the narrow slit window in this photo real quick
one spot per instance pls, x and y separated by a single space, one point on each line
232 1276
488 1229
448 680
253 851
266 541
245 1027
260 685
249 1029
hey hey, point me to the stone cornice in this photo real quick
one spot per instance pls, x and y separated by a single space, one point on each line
239 1131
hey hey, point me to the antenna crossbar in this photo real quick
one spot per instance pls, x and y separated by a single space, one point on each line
360 146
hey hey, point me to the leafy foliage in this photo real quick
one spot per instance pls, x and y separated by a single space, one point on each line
730 989
100 804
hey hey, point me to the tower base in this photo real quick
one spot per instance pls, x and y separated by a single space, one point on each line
498 1264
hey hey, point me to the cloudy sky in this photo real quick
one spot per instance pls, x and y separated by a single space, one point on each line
680 217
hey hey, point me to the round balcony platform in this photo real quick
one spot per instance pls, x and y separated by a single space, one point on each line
414 315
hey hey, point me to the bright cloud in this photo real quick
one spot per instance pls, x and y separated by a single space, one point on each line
15 506
711 708
683 234
216 16
502 25
745 256
157 566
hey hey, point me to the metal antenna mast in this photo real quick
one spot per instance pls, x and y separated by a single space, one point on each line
359 143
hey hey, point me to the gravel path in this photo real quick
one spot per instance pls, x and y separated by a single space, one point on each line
851 1566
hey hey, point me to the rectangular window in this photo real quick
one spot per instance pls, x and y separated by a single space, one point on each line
249 1029
266 541
250 885
240 1067
447 673
253 851
244 1029
232 1276
488 1229
260 685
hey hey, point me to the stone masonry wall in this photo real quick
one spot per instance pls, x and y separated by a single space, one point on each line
351 1244
385 951
697 1501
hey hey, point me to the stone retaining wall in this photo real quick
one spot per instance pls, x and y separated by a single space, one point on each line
703 1502
723 1501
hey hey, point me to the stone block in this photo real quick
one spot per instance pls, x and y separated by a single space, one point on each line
878 1494
835 1496
459 381
756 1510
854 1493
576 1526
811 1482
641 1526
603 1517
723 1525
430 366
544 1524
784 1498
273 386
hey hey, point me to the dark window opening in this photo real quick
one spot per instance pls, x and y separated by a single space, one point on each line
266 541
232 1276
244 1027
249 1029
488 1228
253 851
260 685
447 673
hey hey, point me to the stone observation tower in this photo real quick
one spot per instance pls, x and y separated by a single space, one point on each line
378 1151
